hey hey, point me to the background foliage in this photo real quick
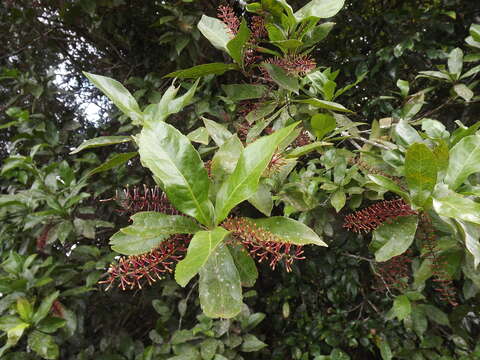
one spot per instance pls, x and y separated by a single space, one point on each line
55 230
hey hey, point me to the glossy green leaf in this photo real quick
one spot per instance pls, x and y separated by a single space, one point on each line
225 159
306 149
420 172
475 31
463 91
148 230
172 158
199 135
243 182
251 343
338 200
24 309
13 336
289 230
218 132
323 124
44 307
323 104
245 265
283 79
451 204
319 33
455 62
202 70
471 234
464 161
396 237
215 31
402 307
405 134
236 46
44 345
120 96
201 247
115 161
101 141
388 184
219 285
319 8
238 92
169 104
262 200
51 324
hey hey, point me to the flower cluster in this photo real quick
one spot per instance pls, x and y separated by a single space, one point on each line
393 274
442 280
229 18
262 244
294 65
146 199
302 139
43 237
275 164
131 271
373 216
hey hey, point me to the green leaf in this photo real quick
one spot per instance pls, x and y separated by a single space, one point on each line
202 70
219 286
199 135
218 132
289 230
402 307
475 32
396 237
238 92
208 348
262 200
384 347
388 184
435 314
320 9
322 124
215 31
236 46
323 104
463 91
455 62
405 134
319 33
471 234
120 96
437 75
245 265
169 104
45 307
419 320
404 87
225 159
251 343
101 141
44 345
420 172
473 71
172 159
13 336
148 230
282 78
51 324
464 161
200 249
451 204
243 182
24 309
115 161
338 200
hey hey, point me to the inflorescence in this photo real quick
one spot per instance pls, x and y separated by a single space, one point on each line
373 216
130 272
262 244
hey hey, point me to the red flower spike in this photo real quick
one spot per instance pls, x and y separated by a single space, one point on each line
229 18
294 65
43 237
262 244
393 274
443 283
302 139
148 199
131 271
275 164
373 216
57 309
258 28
